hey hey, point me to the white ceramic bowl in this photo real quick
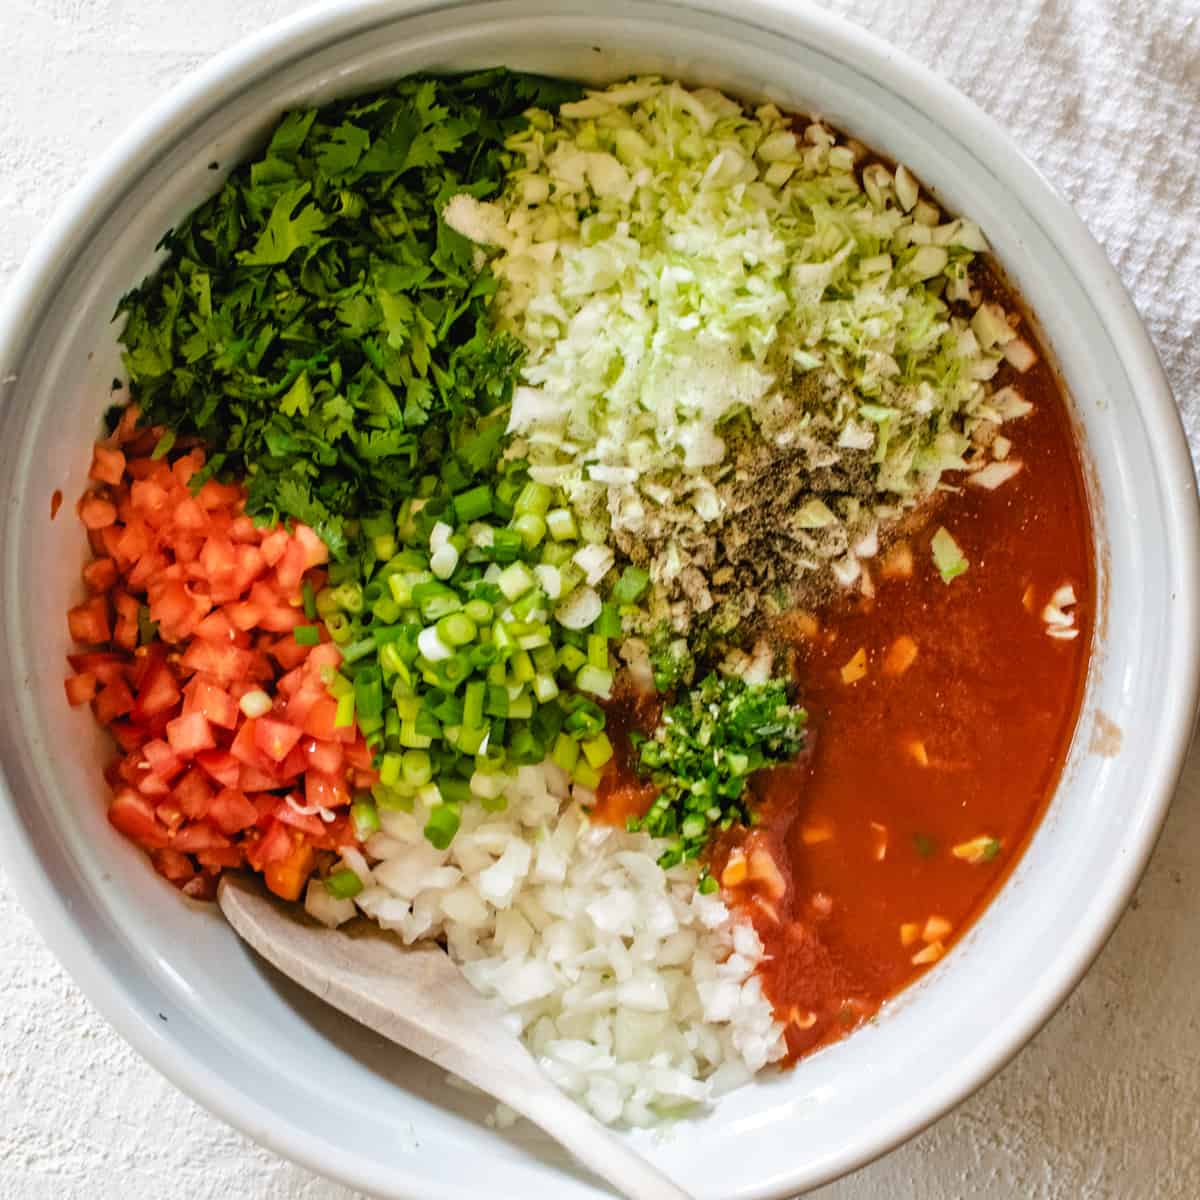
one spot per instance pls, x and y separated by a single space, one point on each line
292 1073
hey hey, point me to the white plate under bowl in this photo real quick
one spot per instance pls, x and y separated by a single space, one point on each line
292 1073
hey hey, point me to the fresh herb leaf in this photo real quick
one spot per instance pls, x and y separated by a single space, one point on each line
703 752
318 325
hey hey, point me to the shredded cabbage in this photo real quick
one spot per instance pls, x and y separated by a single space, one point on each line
669 258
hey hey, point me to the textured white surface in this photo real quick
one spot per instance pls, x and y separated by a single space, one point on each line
1105 1102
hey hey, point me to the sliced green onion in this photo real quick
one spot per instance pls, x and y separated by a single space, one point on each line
561 523
365 817
471 505
629 588
307 635
443 824
596 680
343 884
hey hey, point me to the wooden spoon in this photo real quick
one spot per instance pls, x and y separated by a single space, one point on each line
416 997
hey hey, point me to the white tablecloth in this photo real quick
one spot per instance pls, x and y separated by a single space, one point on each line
1106 95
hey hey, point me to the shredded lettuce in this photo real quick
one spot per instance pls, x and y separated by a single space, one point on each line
947 556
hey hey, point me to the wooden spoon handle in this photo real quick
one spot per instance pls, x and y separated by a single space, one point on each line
417 998
532 1095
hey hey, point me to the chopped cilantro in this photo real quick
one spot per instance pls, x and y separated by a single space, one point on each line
318 325
704 750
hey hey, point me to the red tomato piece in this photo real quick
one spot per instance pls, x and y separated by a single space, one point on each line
221 765
282 618
199 835
328 791
190 517
275 738
100 574
291 567
80 688
193 794
164 762
231 812
321 722
172 865
307 823
326 757
108 464
216 627
286 877
213 701
134 816
190 734
274 546
359 754
97 511
288 652
88 622
104 664
224 858
157 690
113 701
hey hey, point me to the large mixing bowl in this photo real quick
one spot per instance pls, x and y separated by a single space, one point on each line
295 1075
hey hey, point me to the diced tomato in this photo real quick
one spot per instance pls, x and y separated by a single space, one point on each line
148 568
97 511
190 734
193 794
198 782
282 618
164 762
151 785
105 665
321 721
127 426
215 495
185 467
274 546
157 690
359 754
307 823
88 622
253 778
328 791
168 814
199 835
213 701
173 866
275 738
226 663
152 501
80 688
325 757
189 517
100 574
108 464
134 816
231 812
286 877
221 765
222 858
113 701
128 737
134 542
325 655
216 627
201 886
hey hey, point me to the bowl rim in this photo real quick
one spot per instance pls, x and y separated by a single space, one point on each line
197 97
